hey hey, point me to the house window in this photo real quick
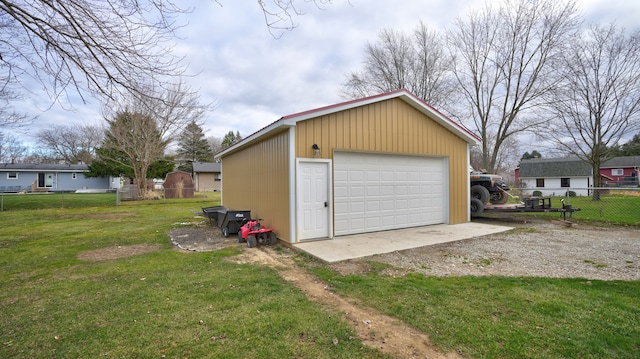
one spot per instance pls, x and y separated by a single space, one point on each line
565 182
217 177
12 175
539 182
617 172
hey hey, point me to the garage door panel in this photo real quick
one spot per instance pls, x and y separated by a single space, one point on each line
378 192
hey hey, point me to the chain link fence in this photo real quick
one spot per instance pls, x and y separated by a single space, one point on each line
613 205
132 193
19 200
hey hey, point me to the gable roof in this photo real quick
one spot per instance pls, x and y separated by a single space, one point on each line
31 167
622 162
288 121
554 167
200 167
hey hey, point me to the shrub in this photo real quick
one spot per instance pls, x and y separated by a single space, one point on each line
570 194
537 194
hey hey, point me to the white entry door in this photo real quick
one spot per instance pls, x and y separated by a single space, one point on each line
313 200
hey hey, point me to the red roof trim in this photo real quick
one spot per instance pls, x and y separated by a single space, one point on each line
341 104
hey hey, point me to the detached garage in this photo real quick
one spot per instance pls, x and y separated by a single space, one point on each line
383 162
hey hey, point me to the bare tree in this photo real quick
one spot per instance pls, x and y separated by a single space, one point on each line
505 61
104 47
279 15
9 116
71 144
140 130
132 144
172 108
598 100
11 149
419 64
216 145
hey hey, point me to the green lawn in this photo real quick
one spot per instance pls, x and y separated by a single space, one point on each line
165 303
499 317
13 201
198 305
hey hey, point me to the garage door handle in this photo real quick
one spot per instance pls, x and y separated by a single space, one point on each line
326 204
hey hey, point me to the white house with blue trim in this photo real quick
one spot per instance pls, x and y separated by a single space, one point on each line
21 177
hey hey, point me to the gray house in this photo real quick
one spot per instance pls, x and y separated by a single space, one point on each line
555 176
207 176
51 178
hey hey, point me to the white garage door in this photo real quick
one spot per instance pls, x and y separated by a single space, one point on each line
374 192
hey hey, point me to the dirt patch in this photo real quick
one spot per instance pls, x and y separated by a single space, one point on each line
200 238
374 329
117 252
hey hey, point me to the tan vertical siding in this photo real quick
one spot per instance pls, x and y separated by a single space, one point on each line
390 126
257 179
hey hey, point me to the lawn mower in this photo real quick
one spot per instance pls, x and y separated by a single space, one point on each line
252 232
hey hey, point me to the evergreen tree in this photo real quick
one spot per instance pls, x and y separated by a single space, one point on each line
533 154
631 148
193 147
230 139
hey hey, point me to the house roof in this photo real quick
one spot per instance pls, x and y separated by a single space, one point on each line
622 162
411 99
31 167
554 167
207 167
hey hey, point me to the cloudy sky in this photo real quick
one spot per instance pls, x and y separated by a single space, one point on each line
257 78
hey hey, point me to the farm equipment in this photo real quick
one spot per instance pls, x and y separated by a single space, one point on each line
229 221
532 204
488 188
252 232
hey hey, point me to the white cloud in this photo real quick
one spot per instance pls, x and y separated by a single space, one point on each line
258 79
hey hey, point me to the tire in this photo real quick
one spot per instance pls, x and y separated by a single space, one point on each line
481 193
272 239
499 197
251 241
477 207
240 239
225 232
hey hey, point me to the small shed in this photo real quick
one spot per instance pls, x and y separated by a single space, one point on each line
383 162
178 184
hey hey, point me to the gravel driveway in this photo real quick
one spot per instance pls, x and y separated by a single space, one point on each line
539 248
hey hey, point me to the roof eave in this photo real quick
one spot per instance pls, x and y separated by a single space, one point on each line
253 137
406 96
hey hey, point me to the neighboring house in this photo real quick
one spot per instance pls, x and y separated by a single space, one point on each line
50 178
621 172
383 162
555 176
207 176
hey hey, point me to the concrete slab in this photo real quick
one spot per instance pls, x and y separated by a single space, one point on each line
367 244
